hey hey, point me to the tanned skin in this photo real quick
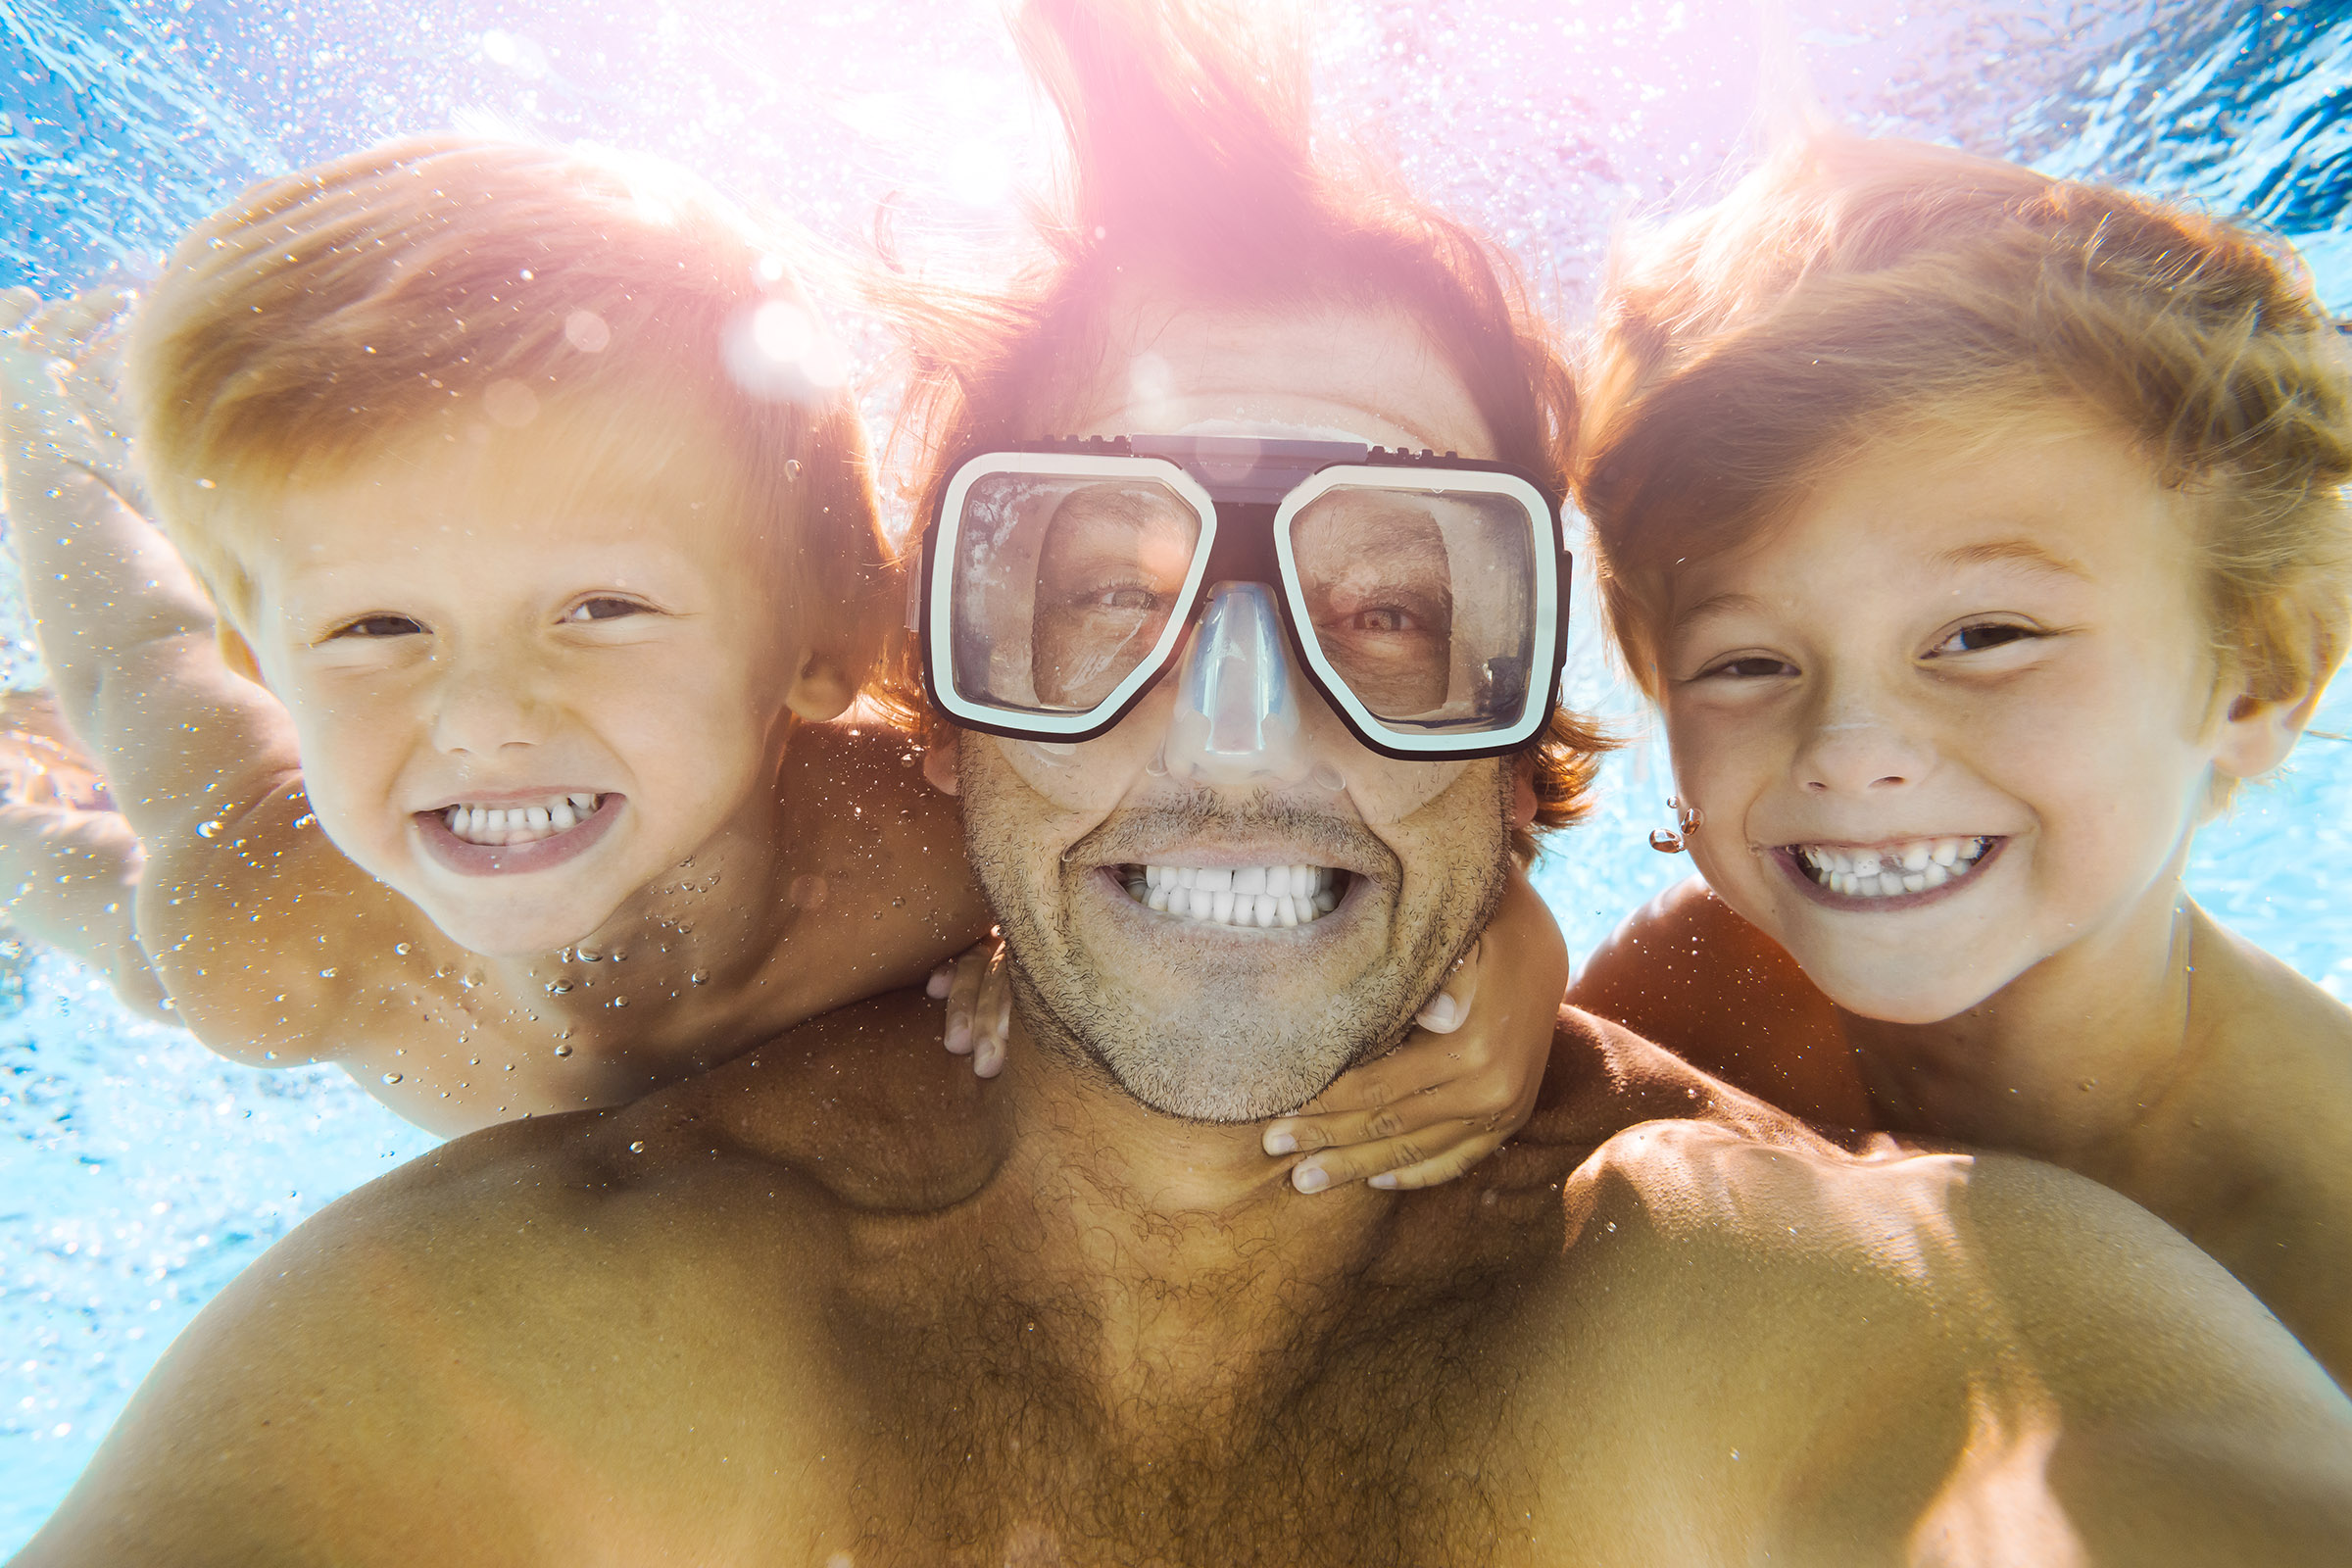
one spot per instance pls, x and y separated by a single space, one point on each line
836 1298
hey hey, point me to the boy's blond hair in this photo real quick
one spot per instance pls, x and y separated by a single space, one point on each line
1850 290
327 315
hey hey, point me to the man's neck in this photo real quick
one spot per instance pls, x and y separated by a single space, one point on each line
1184 1239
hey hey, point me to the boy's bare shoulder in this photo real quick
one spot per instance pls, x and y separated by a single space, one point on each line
271 944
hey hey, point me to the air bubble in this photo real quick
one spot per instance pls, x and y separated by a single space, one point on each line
391 1077
207 830
556 988
562 1051
401 947
326 974
637 1148
699 977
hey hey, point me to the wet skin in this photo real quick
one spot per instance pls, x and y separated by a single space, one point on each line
1993 634
837 1298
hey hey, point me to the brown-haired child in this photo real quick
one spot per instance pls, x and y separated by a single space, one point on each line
1978 533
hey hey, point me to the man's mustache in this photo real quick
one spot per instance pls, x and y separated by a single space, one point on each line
1132 834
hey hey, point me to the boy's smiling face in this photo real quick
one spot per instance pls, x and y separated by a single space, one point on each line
529 677
1956 713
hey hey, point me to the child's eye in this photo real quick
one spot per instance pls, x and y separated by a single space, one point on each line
377 626
604 607
1982 635
1750 666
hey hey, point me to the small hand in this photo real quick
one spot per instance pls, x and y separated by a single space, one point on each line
1458 1088
979 1000
61 365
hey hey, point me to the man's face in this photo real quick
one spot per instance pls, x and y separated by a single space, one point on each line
1200 1015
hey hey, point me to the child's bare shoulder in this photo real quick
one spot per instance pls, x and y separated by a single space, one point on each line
264 933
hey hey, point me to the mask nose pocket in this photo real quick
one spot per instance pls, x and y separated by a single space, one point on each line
1236 705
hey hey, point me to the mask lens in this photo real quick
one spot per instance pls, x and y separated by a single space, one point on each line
1063 586
1422 603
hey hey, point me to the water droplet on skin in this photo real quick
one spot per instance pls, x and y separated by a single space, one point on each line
208 829
562 1051
792 467
556 988
618 1001
401 947
637 1148
585 956
326 974
391 1077
699 977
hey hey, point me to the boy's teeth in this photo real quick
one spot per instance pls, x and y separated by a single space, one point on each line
518 825
1891 870
1245 896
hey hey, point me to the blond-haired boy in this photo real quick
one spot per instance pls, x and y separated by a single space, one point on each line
1977 534
540 535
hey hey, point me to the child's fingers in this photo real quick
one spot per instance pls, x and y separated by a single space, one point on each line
992 1020
1444 1012
64 326
1444 1167
1433 1154
962 992
16 306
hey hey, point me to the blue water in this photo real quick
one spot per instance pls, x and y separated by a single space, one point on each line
139 1173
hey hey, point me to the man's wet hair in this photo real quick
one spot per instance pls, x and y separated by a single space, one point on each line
1194 177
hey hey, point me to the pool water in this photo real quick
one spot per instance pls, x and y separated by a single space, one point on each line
139 1173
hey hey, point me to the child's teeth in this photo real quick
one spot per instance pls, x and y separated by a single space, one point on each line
1254 896
1883 873
518 825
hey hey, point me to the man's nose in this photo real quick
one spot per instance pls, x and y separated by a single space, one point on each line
488 700
1237 719
1857 742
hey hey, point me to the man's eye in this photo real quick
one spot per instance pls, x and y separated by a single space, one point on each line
1385 619
604 607
1984 635
378 626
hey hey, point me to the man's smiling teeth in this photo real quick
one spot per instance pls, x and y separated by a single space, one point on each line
1892 870
1248 894
518 825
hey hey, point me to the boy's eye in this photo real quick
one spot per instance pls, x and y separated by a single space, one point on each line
1984 635
604 607
378 626
1752 666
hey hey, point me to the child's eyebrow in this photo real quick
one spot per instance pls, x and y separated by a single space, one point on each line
1716 605
2022 552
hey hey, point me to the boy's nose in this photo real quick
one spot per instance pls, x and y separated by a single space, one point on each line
486 707
1854 746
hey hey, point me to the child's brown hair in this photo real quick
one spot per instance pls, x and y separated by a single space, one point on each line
329 313
1850 288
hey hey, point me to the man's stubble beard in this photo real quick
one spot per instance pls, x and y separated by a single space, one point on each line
1211 1050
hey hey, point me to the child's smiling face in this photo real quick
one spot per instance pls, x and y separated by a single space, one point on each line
1956 713
528 679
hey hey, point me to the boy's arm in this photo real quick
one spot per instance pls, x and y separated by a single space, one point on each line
1465 1080
202 762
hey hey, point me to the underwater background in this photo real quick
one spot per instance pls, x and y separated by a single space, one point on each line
139 1173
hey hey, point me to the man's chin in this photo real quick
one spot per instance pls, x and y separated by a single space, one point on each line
1197 1078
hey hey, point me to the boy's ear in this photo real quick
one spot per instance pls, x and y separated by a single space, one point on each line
237 653
2257 735
941 748
820 691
